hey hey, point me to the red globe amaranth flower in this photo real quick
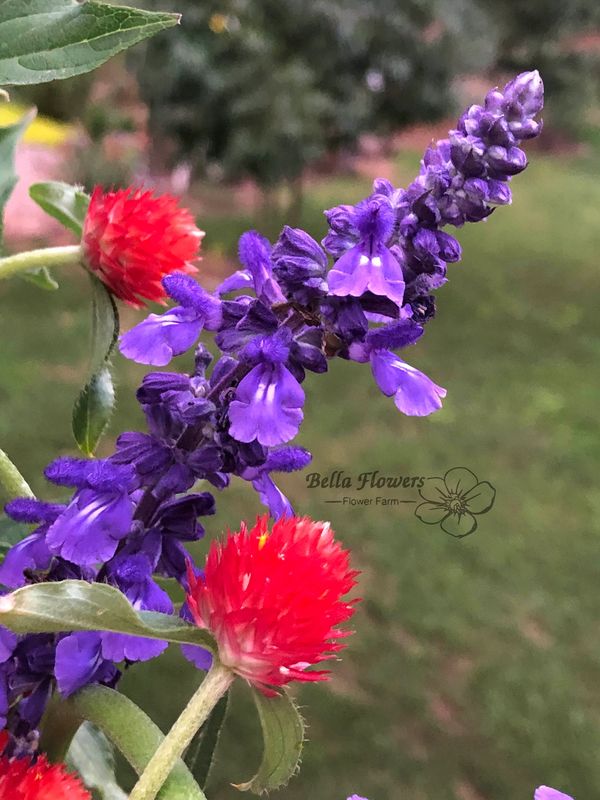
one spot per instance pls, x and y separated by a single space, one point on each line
132 239
24 779
274 600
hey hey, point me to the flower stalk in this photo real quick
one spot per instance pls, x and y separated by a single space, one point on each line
35 259
216 683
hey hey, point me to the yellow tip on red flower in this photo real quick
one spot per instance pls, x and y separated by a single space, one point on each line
274 600
28 779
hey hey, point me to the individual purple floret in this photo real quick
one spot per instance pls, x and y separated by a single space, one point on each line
363 295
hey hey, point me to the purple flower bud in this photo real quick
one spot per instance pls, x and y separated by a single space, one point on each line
526 92
505 161
255 254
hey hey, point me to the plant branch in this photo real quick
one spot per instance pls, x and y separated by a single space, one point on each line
213 687
134 734
35 259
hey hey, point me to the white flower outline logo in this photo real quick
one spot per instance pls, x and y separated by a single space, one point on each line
454 501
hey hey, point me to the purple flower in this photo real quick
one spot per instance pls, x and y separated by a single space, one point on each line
255 254
132 574
31 553
283 459
97 518
240 279
414 393
131 515
79 662
267 406
546 793
300 265
370 265
160 337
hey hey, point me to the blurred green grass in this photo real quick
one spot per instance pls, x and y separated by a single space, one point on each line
473 673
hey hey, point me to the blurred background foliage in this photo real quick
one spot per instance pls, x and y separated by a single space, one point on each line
263 89
474 671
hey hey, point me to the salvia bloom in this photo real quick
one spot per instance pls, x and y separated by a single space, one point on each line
274 600
27 779
364 294
132 239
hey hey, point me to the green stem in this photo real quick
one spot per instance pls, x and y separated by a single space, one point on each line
11 480
34 259
134 734
213 687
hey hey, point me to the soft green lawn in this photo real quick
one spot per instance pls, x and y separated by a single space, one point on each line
475 667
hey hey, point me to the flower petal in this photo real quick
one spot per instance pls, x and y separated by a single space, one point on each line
160 337
546 793
267 406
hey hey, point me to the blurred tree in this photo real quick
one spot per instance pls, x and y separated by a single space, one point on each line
562 40
264 87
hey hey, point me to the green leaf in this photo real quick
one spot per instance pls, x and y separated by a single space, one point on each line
42 278
92 410
200 755
12 483
81 606
96 400
91 756
44 40
9 136
283 736
68 204
135 736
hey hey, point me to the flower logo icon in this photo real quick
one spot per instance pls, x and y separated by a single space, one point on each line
454 501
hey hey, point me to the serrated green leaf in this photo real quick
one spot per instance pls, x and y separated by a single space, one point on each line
91 756
96 400
82 606
42 278
9 137
92 411
67 204
283 737
45 40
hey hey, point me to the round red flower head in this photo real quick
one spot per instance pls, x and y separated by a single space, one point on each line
24 779
273 600
132 239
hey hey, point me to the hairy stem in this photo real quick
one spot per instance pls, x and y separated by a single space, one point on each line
35 259
134 734
12 483
213 687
